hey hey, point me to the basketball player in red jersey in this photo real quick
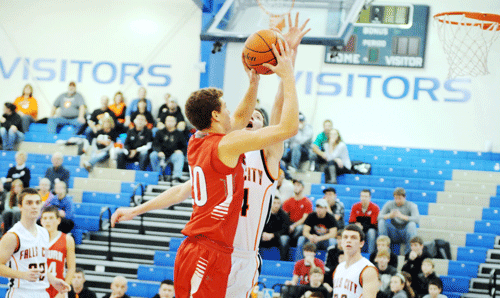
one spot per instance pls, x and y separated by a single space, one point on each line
61 249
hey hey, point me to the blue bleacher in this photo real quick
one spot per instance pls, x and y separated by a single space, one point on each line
92 209
270 281
164 258
155 273
175 243
463 268
480 240
87 223
107 198
472 254
458 284
271 253
142 289
3 280
277 268
487 226
128 187
3 290
146 177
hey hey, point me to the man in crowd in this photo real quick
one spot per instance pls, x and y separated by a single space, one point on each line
365 215
297 207
317 147
137 145
276 230
78 289
335 206
57 172
72 109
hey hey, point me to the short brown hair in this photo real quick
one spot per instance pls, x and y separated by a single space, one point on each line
52 209
417 239
25 192
309 247
201 104
399 191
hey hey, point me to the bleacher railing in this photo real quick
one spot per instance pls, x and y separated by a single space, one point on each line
109 255
493 282
138 201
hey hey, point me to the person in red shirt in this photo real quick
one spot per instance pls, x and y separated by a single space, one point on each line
365 214
298 208
302 267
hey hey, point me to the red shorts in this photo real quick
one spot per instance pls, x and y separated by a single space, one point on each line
201 269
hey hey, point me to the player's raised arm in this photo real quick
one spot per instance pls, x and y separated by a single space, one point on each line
370 282
8 245
244 111
171 196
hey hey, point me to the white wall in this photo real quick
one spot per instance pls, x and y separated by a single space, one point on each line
162 36
378 120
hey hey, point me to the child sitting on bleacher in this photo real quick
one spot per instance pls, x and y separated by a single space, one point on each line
384 243
435 288
304 266
166 289
385 270
316 284
422 283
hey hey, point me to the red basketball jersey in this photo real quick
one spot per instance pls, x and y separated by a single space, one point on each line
217 191
56 260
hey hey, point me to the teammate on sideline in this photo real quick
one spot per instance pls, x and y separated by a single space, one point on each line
61 251
356 276
24 247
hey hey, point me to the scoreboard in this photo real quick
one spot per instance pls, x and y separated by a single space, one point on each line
385 35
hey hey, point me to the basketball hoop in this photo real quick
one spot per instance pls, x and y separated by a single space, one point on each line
467 38
276 10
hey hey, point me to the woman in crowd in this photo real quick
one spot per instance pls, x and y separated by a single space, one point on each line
102 143
400 288
142 109
337 155
11 213
119 108
27 107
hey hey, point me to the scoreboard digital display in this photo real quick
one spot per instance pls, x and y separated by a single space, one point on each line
386 35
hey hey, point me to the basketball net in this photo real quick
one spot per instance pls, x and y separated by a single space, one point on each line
276 10
467 38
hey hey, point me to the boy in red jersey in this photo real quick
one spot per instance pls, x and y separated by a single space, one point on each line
61 249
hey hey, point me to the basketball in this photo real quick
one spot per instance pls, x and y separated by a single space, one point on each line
258 50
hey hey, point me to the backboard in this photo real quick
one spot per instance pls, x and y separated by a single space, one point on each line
331 21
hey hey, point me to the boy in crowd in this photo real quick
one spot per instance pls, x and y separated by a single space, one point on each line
384 243
166 289
422 283
435 289
78 290
385 270
415 258
304 266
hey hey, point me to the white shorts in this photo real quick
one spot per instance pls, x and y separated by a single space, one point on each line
244 273
26 293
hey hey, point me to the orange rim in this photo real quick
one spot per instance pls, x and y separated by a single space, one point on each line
483 17
276 15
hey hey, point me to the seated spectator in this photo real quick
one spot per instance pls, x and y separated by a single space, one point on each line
119 109
141 110
384 243
94 123
304 266
299 145
298 208
11 129
404 217
320 228
335 206
385 270
316 284
169 145
381 294
137 145
424 278
337 157
171 108
414 258
118 288
435 289
166 289
334 256
11 213
57 172
408 278
275 232
65 205
284 188
19 171
365 215
133 106
320 158
78 289
27 107
44 190
399 288
102 142
71 107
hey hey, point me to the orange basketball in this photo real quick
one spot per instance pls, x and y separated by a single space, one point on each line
258 50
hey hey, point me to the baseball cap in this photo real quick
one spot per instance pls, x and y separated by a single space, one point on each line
329 189
302 117
322 203
298 181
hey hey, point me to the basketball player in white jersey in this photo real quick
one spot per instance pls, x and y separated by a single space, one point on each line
356 276
23 253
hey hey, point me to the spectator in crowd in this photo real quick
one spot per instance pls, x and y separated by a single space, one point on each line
409 279
133 106
316 285
57 172
299 145
11 129
404 217
119 109
382 294
320 228
72 109
424 278
365 215
137 145
44 190
78 289
385 270
102 142
27 107
399 288
141 110
414 258
384 243
276 229
19 171
435 289
11 213
337 156
284 188
304 266
169 145
118 288
171 108
334 256
298 208
94 122
320 158
166 289
335 206
65 205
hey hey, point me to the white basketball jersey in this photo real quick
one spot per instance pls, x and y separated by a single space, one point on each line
347 281
258 193
31 254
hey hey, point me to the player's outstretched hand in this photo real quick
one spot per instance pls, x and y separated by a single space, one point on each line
295 33
61 286
285 63
33 274
253 76
122 214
